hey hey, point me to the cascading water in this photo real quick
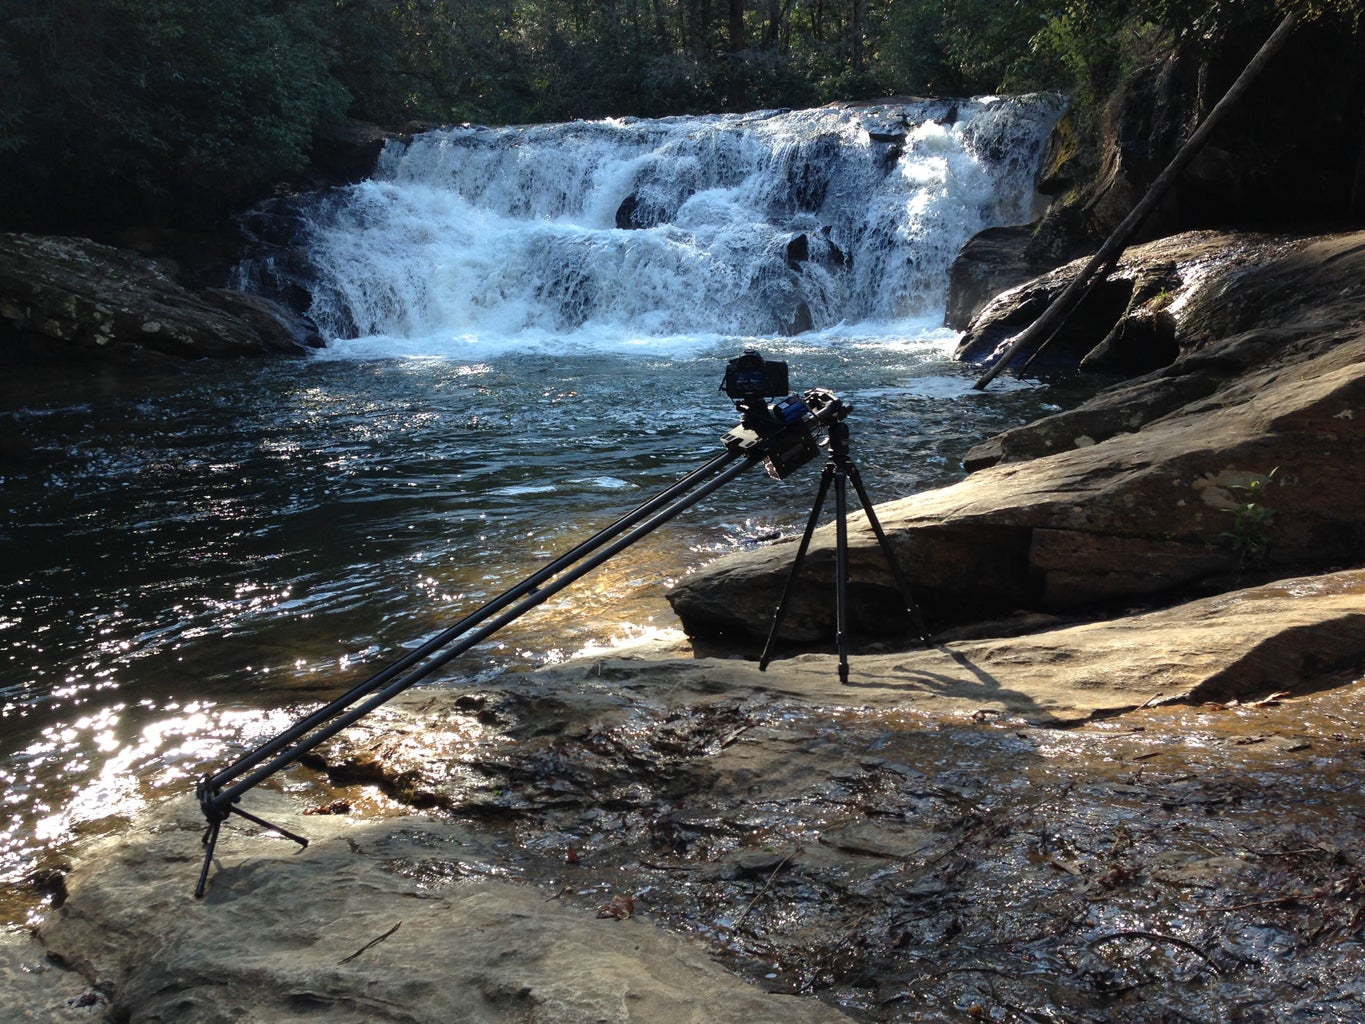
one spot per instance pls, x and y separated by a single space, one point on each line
622 231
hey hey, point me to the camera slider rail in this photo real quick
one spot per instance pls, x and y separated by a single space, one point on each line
761 436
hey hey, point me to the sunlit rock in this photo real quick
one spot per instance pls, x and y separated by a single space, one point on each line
402 920
1239 458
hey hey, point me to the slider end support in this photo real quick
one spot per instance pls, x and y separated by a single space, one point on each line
215 816
207 793
216 811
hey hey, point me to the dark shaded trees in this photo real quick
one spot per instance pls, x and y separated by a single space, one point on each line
125 108
115 110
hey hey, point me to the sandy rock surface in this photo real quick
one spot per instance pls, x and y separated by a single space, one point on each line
353 929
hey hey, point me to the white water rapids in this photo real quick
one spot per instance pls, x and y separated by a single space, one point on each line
669 233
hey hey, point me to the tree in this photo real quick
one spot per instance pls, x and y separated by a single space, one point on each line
133 108
112 110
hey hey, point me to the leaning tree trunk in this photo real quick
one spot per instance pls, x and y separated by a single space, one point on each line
1103 261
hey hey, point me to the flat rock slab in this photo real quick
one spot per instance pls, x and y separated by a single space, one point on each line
352 929
33 990
1292 635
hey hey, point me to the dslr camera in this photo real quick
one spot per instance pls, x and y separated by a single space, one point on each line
750 377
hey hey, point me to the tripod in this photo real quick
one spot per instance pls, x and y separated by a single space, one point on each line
781 436
839 469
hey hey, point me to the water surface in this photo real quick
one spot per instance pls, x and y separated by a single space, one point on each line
193 556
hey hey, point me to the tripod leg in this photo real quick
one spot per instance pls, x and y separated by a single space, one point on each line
210 841
901 582
301 840
781 613
841 572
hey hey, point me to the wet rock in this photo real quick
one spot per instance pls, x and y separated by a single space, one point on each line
73 298
626 213
831 839
991 262
391 920
1142 493
1130 320
800 322
893 840
281 330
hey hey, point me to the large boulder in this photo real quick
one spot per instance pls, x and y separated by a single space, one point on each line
1230 306
1175 295
1238 458
71 297
991 262
1285 155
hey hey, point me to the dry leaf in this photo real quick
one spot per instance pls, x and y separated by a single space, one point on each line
335 807
1062 864
620 908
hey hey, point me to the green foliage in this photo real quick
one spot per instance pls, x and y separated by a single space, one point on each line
14 100
1252 520
144 103
445 59
172 105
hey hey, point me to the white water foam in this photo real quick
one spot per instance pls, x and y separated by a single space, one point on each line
670 236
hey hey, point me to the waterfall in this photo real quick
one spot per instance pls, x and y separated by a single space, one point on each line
635 231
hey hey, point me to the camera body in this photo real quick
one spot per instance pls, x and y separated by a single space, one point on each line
750 377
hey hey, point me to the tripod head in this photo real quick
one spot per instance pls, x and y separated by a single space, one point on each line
825 407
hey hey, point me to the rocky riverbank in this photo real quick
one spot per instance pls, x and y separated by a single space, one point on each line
1122 784
967 831
75 299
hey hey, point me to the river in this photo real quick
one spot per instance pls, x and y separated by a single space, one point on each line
527 331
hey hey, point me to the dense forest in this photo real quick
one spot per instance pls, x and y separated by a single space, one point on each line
117 110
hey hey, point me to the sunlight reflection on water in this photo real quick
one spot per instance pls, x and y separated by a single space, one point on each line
195 556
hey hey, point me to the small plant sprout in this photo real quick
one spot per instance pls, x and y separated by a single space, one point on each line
1252 519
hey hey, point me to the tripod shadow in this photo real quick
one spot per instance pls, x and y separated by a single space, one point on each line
972 683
